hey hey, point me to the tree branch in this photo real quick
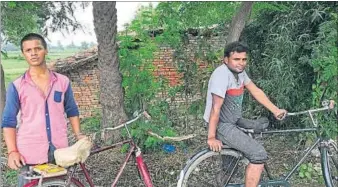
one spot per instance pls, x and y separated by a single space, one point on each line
175 139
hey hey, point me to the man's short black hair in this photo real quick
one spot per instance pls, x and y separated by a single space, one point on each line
235 47
33 36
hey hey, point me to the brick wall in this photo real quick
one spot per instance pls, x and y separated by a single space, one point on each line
166 67
85 78
85 84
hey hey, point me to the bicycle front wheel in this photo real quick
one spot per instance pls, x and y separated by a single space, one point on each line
209 168
329 157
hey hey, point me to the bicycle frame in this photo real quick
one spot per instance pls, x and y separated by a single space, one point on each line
133 149
71 178
284 181
293 170
320 142
123 165
206 153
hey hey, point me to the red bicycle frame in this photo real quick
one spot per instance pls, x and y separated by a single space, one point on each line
142 167
133 149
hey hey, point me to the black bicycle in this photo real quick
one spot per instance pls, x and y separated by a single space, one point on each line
203 168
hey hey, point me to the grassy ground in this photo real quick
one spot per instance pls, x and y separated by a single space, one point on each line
15 65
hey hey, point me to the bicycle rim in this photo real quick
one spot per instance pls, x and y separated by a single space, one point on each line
330 166
208 170
56 183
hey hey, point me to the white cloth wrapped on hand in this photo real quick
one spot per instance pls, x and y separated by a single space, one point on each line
74 154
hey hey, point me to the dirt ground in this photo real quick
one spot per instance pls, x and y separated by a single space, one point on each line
165 168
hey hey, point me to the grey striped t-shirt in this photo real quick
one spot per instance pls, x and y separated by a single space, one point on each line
224 84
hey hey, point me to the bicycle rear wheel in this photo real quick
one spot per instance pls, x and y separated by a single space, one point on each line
329 157
57 183
206 169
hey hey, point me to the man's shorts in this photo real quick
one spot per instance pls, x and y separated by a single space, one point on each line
230 135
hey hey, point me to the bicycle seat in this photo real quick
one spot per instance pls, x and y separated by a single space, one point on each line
253 126
252 131
225 146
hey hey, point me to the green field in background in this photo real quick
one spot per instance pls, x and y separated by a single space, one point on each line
15 65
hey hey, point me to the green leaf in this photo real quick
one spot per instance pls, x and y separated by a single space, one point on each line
11 4
303 167
124 148
308 175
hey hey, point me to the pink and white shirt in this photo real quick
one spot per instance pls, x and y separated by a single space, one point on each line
43 118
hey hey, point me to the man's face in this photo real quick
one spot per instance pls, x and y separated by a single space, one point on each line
236 61
34 52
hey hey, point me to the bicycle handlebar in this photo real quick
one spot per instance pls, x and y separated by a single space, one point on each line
307 111
137 116
327 106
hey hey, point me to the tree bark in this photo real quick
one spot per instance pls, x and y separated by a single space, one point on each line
2 100
2 90
111 93
238 21
2 105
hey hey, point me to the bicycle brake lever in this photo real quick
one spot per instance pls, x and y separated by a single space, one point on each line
282 116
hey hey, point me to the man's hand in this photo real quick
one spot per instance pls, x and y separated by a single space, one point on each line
214 144
15 160
331 105
280 114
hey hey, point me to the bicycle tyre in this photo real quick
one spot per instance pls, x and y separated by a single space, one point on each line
56 182
329 158
209 158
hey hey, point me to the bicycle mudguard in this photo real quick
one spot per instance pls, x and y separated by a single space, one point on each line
142 167
35 182
188 163
193 158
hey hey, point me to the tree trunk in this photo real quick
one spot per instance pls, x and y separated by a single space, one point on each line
2 105
238 21
2 90
111 94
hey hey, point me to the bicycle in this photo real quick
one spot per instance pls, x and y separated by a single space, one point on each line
203 167
70 180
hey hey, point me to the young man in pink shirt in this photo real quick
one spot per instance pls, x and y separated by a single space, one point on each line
43 98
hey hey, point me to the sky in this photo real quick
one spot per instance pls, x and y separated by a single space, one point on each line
125 14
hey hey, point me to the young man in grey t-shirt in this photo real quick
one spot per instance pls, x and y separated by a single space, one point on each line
224 110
